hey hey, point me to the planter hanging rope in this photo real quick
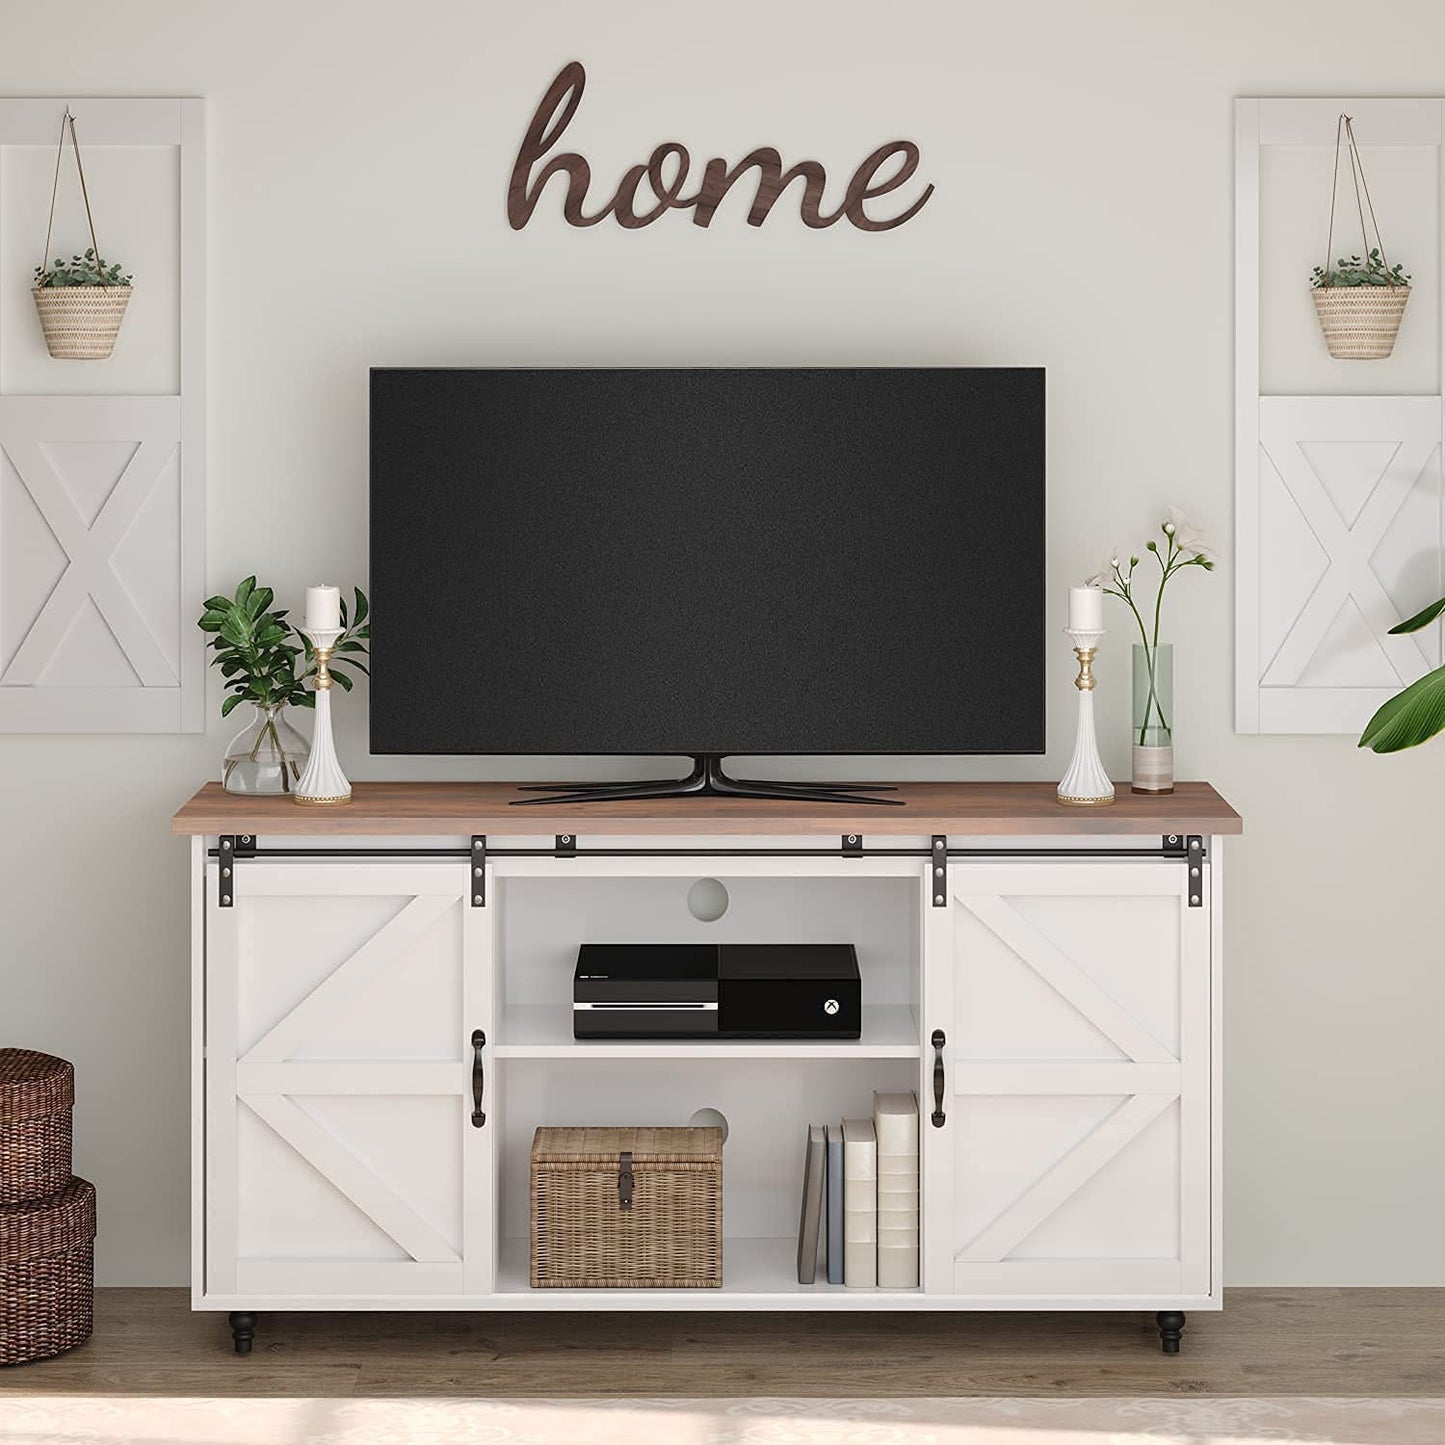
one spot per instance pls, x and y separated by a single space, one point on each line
82 322
1360 322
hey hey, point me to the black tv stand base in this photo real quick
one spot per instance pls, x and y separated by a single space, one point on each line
707 780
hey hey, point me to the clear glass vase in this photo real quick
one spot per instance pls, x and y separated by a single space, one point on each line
267 755
1153 717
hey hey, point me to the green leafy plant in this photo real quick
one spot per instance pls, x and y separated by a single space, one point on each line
1353 271
259 651
1415 715
86 270
1183 547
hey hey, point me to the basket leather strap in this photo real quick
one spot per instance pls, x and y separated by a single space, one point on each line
624 1180
1345 131
69 120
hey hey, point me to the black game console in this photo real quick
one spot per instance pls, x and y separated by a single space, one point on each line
717 991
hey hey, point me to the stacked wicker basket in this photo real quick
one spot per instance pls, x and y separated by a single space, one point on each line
47 1215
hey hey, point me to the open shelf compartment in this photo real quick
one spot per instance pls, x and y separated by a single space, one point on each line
768 1105
542 920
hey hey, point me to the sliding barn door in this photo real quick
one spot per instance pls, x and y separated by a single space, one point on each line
342 1157
1075 1156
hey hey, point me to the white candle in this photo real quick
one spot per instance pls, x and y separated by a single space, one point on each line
323 608
1086 609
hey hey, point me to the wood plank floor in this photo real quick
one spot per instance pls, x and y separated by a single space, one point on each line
1366 1342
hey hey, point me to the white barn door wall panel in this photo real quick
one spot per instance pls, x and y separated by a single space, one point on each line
1340 530
102 463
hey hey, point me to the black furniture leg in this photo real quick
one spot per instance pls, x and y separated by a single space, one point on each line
243 1329
1171 1326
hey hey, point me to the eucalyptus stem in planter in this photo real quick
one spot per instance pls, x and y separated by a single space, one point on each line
267 662
86 270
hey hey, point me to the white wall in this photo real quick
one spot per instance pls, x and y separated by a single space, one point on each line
358 161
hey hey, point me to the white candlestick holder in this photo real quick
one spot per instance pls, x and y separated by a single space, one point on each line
323 784
1086 784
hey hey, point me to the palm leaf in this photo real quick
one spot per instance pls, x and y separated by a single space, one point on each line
1384 715
1420 619
1410 717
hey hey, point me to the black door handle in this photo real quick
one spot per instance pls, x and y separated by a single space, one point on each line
938 1042
479 1079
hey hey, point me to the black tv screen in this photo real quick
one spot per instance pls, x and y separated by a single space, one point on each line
692 561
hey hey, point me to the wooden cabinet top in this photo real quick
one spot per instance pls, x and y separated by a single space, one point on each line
979 809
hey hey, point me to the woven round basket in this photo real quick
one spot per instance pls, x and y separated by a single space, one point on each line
47 1274
1360 322
80 322
37 1092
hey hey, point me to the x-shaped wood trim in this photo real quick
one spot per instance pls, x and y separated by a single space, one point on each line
346 985
335 1162
266 1075
1067 979
1152 1067
1347 546
89 552
1064 1178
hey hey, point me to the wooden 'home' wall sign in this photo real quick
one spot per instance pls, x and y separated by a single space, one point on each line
560 104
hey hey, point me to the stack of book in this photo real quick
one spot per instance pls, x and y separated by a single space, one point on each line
895 1122
860 1199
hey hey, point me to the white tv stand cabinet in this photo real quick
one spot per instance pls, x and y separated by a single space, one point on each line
381 1018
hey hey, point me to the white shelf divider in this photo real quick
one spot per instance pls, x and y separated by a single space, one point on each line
537 1031
753 1270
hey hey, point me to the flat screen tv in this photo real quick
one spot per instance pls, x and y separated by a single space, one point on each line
703 562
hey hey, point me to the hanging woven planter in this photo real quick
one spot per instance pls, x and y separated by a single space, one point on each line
80 323
1360 300
1360 322
81 303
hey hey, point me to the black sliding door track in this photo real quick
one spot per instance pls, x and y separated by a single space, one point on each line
236 848
459 853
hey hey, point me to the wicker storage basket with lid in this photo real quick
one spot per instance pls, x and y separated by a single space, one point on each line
47 1279
627 1208
37 1093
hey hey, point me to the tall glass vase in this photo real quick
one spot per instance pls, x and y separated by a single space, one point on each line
266 756
1153 715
